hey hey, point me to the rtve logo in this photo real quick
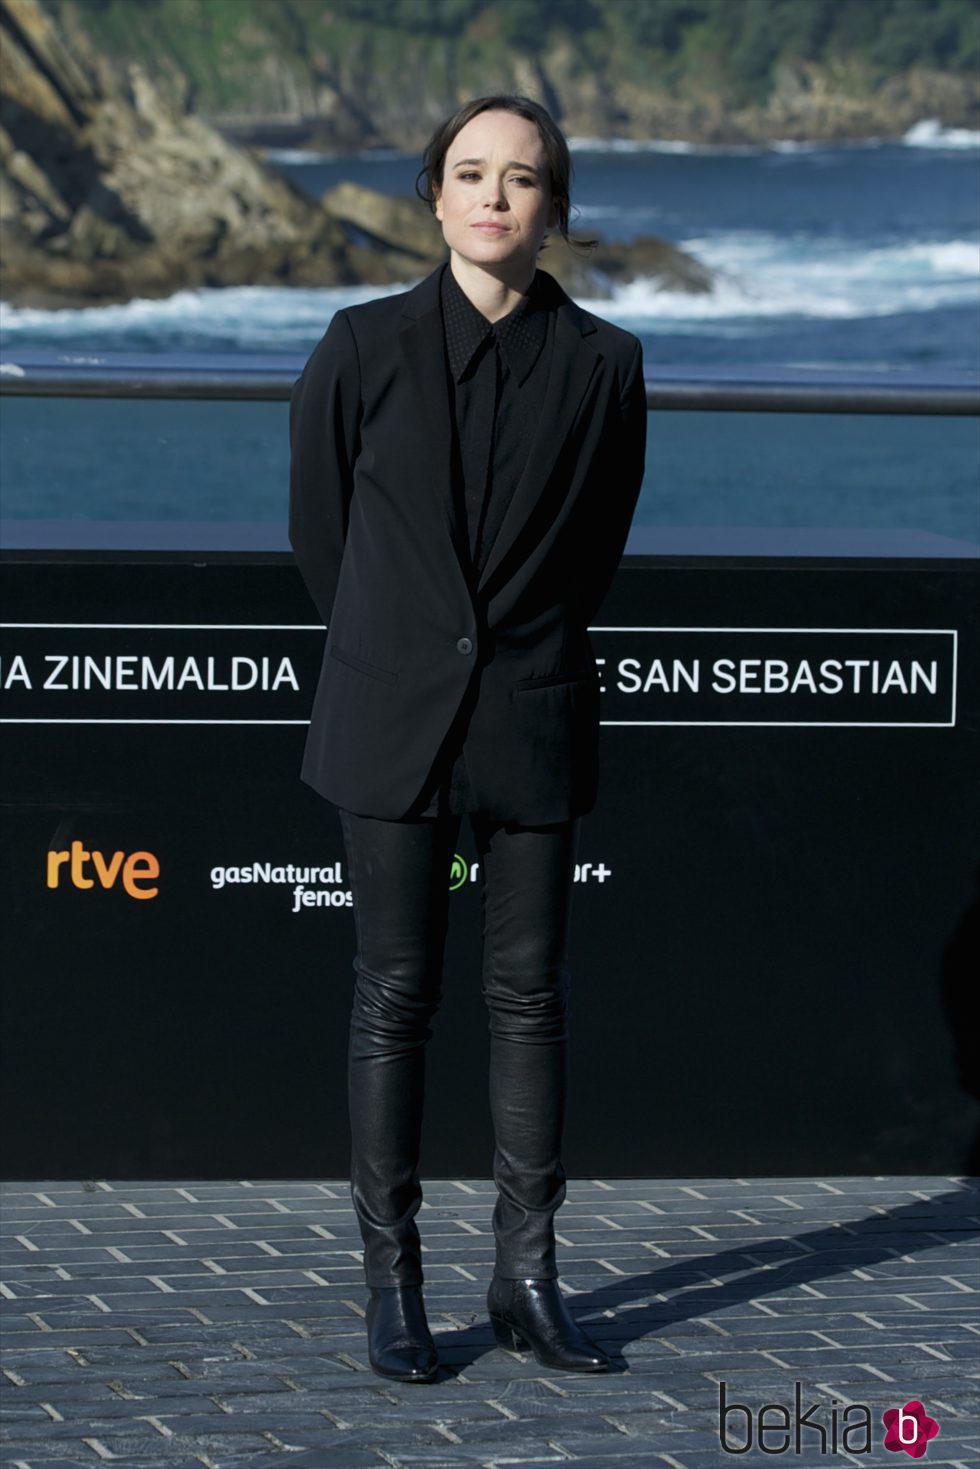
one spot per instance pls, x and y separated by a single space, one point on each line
132 871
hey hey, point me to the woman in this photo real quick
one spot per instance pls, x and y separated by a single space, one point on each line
466 458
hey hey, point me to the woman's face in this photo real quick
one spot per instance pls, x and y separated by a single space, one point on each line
496 173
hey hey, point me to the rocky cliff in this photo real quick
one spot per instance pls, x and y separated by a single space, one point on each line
109 190
346 74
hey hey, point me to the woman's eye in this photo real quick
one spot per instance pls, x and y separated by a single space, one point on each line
517 178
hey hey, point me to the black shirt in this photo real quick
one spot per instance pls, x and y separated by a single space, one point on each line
497 373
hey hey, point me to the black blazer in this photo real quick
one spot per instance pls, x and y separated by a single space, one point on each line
372 525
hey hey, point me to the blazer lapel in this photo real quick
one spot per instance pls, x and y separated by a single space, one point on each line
573 367
423 350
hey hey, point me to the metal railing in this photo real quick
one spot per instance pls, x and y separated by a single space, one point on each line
252 377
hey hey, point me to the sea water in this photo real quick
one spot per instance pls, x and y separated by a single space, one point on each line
856 255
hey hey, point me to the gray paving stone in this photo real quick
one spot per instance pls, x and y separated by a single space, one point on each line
214 1321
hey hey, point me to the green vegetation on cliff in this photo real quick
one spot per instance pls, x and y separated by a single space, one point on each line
276 56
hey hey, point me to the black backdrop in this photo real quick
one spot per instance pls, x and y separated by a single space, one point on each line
775 918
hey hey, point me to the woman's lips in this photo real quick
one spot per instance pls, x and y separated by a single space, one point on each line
492 229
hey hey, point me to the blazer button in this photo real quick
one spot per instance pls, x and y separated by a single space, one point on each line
464 645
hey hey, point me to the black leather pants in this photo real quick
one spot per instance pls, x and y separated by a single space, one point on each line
399 873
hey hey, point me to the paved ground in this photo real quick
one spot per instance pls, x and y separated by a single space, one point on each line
221 1324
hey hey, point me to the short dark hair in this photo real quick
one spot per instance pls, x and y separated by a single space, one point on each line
552 139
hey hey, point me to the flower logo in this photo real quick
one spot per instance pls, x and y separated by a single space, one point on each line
909 1428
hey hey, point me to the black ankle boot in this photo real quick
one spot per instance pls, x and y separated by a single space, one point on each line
400 1344
532 1313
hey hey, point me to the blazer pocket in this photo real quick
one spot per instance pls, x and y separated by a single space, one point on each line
371 669
548 679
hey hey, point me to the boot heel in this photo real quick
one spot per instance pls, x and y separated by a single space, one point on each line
506 1336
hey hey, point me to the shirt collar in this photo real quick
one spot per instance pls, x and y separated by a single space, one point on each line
520 334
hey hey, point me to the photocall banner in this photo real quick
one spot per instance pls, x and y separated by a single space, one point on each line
255 673
775 905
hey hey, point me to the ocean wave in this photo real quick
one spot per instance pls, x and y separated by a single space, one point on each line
927 133
930 133
254 317
759 275
325 155
296 155
763 276
658 145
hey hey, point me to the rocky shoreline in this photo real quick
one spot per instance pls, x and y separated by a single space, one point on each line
805 107
354 105
110 189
